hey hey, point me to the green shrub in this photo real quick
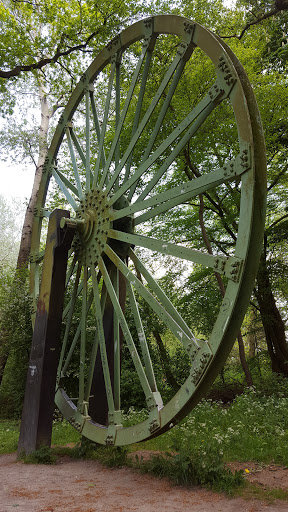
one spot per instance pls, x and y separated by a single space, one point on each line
15 340
43 455
111 456
204 467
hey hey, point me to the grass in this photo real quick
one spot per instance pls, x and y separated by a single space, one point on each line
199 467
42 456
255 491
252 428
9 434
62 434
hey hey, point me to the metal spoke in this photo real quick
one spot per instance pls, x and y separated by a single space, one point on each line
162 114
91 368
119 125
104 124
146 118
142 339
94 350
76 338
162 297
68 183
117 342
69 319
67 308
74 163
64 189
71 270
202 111
88 172
178 195
140 100
125 329
99 326
148 297
166 248
96 122
83 340
117 108
77 146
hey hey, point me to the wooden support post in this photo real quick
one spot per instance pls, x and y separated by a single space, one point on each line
38 407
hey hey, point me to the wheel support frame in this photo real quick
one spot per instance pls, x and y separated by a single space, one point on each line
38 407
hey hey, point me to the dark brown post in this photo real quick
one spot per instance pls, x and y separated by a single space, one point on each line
38 407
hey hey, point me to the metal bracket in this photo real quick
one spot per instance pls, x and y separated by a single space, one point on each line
230 267
114 45
154 401
233 268
245 156
47 166
41 212
215 92
114 419
226 74
148 27
36 257
200 363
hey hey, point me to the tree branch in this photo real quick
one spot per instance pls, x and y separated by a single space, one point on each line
280 5
277 179
48 60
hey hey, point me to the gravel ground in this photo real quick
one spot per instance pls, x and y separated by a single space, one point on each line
87 486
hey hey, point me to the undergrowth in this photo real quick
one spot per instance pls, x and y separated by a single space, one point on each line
253 428
43 455
203 467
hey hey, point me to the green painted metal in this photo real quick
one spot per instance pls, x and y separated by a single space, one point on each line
116 147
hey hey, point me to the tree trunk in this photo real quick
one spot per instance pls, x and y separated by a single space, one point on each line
26 236
3 361
165 361
243 361
251 334
272 321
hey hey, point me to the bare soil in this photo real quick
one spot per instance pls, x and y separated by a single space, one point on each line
87 486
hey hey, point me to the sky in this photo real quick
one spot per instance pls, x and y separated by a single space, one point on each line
16 181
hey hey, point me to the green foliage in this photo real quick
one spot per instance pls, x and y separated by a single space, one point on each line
43 455
63 433
16 336
254 491
9 434
204 467
110 456
9 235
253 427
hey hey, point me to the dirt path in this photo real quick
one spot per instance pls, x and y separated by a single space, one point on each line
87 486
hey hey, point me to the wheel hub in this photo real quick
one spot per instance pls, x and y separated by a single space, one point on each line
94 218
91 235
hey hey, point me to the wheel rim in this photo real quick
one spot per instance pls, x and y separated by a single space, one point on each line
103 182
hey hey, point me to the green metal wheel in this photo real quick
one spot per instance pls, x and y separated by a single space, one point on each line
157 94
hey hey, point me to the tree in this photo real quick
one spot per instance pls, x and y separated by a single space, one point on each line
266 70
47 54
38 34
9 246
10 233
46 47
